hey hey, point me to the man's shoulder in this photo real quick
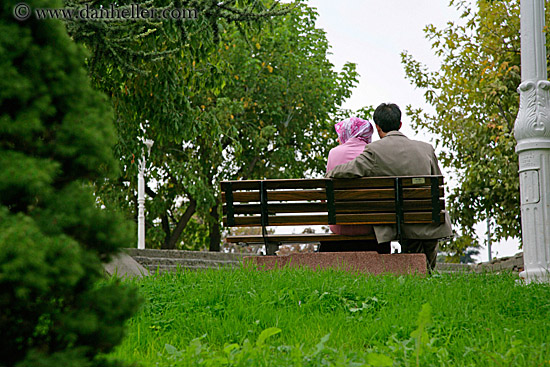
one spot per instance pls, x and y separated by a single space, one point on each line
422 144
403 139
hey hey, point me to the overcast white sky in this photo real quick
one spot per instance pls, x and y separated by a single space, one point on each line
372 34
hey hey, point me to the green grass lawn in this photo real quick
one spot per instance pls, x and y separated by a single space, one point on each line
316 318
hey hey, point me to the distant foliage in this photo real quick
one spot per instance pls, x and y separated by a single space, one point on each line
476 103
56 135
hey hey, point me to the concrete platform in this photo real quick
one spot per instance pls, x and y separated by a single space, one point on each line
365 262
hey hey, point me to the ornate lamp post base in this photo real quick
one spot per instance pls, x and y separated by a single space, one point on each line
535 211
532 132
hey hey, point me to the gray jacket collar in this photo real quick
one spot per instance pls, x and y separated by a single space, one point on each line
395 133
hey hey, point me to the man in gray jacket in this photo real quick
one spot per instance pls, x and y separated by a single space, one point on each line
396 155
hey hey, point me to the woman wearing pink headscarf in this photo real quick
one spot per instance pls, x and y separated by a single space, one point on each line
353 135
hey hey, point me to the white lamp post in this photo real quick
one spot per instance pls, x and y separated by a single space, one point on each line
532 132
489 237
141 197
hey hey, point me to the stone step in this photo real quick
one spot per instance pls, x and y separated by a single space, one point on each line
511 263
452 268
208 255
153 269
184 262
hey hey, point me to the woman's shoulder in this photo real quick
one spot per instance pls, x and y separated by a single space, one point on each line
336 149
353 144
356 142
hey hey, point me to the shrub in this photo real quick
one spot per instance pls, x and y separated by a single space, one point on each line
56 134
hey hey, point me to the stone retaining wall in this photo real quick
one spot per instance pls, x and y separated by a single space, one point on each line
167 260
509 263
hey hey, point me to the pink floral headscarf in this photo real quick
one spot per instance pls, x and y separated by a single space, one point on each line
354 127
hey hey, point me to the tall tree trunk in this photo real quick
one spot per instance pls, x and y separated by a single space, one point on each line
165 223
214 229
176 234
172 237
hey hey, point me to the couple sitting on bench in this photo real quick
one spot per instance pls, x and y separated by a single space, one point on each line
393 155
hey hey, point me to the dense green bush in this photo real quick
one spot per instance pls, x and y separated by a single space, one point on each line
56 135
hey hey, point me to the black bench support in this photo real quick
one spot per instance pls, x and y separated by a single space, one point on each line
399 207
435 201
229 201
270 247
331 208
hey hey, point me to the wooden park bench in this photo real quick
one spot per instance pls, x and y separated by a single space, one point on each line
298 202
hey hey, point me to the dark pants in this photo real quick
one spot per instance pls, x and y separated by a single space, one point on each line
345 246
427 247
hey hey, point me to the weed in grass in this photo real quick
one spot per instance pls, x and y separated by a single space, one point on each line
420 335
260 354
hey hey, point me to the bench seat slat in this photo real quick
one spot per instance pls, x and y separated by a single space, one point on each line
322 219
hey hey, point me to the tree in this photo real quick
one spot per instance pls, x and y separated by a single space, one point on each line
149 70
250 96
56 134
475 100
284 92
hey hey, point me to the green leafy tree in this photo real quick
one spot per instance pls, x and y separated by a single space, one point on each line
476 102
152 71
56 135
285 92
249 95
289 94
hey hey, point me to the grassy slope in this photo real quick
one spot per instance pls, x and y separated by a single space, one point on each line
475 320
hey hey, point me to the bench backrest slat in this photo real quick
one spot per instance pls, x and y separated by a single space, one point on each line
341 207
350 194
319 183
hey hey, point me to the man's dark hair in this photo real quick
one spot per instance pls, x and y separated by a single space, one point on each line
388 117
